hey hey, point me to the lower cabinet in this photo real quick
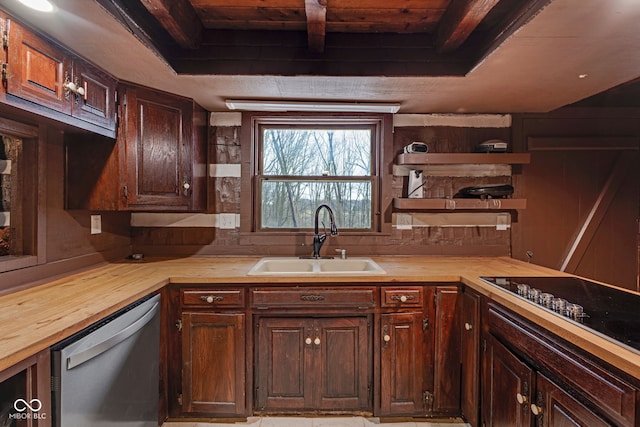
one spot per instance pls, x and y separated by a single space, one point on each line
313 364
207 354
213 363
402 390
419 351
532 378
317 349
470 356
507 387
520 396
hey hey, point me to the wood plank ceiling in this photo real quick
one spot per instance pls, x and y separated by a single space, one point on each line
324 37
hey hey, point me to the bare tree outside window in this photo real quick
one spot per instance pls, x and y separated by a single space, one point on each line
302 168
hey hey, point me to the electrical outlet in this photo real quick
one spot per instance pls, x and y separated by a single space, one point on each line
96 224
227 220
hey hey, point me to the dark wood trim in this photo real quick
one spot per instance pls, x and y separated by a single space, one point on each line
316 11
459 21
21 130
40 187
556 143
580 242
179 19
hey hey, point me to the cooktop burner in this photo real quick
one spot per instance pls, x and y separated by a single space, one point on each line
609 311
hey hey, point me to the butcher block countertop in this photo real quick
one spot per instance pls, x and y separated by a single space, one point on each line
36 318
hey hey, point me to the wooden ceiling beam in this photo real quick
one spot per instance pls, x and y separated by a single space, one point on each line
316 11
179 19
459 21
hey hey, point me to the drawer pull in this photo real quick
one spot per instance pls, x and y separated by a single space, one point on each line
311 297
536 410
316 341
403 298
468 326
210 299
308 341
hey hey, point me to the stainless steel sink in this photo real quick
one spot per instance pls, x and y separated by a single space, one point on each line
290 266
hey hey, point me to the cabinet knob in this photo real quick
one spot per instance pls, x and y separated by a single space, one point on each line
468 326
316 341
308 341
403 298
386 338
210 298
522 399
186 186
535 409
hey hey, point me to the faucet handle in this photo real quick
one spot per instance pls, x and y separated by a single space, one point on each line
343 253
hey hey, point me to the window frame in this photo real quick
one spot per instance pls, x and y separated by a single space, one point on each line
26 209
250 205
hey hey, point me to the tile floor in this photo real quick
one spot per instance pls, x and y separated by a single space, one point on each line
314 422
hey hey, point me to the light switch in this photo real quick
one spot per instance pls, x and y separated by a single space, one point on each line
96 224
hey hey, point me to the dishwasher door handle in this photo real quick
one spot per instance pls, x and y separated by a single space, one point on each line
80 357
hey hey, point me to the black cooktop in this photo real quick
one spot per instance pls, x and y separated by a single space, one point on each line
609 311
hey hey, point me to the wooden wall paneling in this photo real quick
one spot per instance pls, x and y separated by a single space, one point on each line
573 153
578 245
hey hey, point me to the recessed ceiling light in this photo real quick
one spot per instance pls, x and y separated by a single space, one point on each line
39 5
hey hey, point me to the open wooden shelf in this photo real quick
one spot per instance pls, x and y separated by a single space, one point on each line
462 158
459 204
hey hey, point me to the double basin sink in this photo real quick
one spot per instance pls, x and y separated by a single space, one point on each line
290 266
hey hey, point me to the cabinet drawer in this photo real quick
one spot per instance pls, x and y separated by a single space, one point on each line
402 297
313 297
227 298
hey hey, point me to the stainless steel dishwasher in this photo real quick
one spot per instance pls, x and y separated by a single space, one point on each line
108 374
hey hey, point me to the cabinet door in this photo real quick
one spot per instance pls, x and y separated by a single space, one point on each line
97 104
470 352
315 365
213 371
401 364
158 151
507 388
283 363
343 364
556 408
37 69
446 347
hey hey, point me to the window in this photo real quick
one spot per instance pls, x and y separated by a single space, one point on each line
303 162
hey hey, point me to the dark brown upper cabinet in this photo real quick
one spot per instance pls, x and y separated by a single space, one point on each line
163 149
53 80
158 162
